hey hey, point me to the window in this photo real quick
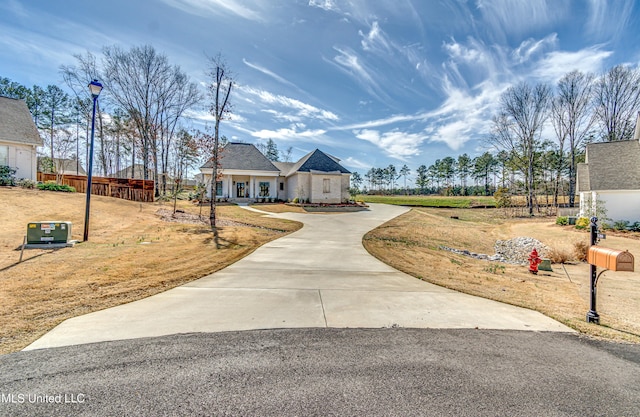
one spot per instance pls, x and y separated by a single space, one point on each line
264 189
218 188
326 185
282 186
4 155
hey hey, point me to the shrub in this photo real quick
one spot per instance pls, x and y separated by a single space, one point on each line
582 223
27 183
502 197
580 251
7 175
620 225
295 200
562 220
52 186
559 256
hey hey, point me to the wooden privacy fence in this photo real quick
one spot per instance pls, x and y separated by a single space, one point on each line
126 188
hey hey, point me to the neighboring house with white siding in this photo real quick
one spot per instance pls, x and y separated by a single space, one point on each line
19 138
610 177
245 174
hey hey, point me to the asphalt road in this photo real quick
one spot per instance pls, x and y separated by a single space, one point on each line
327 372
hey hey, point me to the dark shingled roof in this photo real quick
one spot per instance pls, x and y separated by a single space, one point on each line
243 156
16 124
610 166
318 161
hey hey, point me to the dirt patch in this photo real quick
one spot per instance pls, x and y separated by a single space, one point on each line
134 250
411 243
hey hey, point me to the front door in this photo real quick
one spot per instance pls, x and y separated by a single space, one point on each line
240 189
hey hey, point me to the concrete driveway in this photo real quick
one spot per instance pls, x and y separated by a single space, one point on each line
319 276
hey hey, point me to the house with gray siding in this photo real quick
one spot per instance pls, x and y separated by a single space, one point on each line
19 138
610 178
245 174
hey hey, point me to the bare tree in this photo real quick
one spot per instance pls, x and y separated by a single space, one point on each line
181 96
219 90
572 117
517 128
285 156
153 93
617 95
77 78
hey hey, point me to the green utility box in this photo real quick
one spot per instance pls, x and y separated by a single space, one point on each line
48 232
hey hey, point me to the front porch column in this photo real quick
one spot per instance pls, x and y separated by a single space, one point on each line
277 185
252 187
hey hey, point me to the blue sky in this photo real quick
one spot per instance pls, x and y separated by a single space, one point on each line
372 82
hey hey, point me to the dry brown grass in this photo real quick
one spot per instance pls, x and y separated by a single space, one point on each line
411 243
131 254
560 256
580 250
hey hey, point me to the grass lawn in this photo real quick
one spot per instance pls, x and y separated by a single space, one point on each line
135 250
411 243
429 201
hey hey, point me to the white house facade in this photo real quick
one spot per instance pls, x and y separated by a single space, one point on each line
245 174
19 138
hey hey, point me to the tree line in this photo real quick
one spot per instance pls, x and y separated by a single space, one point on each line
538 136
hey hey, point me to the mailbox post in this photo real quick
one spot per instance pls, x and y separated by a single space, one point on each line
592 314
609 260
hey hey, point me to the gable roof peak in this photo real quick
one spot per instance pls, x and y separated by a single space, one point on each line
16 123
317 160
243 156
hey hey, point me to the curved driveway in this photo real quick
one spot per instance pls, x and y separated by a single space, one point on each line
319 276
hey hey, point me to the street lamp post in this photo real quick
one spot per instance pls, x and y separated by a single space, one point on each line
95 87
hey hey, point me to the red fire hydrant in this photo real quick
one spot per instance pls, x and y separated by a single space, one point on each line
534 261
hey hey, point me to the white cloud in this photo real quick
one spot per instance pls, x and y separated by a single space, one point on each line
471 54
473 62
301 109
282 116
206 117
517 17
558 63
269 73
289 134
376 40
531 47
349 63
465 114
608 19
216 7
328 5
395 143
399 118
355 163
